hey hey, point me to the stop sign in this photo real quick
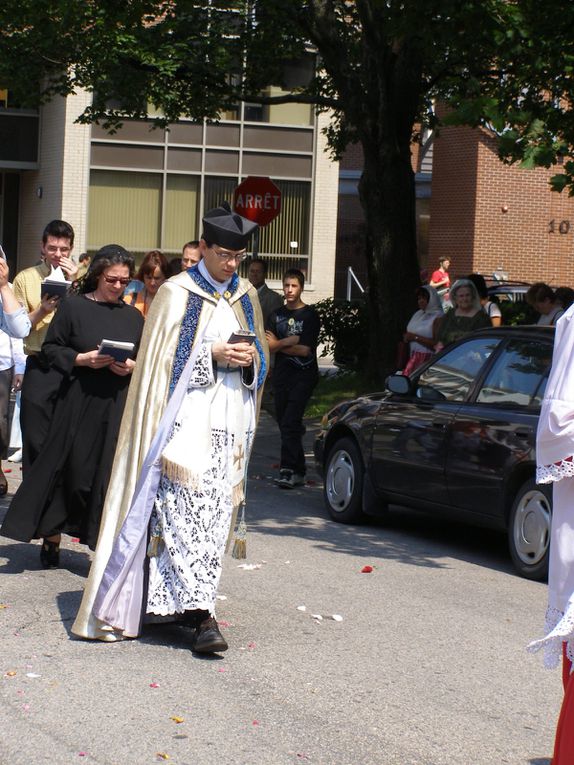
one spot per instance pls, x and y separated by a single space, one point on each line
257 199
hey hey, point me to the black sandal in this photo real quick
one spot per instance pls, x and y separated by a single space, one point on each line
50 554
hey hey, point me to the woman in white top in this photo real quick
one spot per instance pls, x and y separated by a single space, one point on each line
420 328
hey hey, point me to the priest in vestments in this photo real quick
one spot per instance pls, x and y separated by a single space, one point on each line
181 463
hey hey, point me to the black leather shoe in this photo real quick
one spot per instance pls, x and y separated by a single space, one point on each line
50 554
208 638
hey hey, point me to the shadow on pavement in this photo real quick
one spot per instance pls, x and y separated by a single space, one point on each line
405 535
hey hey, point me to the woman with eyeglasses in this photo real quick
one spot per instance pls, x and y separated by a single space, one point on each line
63 491
152 273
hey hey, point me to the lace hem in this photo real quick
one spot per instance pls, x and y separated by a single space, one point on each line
555 472
559 628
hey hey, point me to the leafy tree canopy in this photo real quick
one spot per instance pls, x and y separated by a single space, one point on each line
506 65
382 65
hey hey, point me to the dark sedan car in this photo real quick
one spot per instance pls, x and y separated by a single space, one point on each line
458 437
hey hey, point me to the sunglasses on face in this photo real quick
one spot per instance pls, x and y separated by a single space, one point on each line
124 281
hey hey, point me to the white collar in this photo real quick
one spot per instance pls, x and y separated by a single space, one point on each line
219 286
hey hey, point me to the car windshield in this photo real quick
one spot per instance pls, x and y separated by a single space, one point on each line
453 374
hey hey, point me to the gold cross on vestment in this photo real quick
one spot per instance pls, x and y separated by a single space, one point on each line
239 457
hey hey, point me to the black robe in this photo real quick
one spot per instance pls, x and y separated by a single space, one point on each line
65 487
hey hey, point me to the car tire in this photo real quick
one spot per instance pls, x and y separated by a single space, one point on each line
343 484
529 530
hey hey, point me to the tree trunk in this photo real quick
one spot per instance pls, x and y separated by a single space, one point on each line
387 193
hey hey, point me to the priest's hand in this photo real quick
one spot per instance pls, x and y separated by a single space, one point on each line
93 360
234 354
123 368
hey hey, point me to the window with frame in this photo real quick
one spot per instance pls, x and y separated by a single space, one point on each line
519 375
453 374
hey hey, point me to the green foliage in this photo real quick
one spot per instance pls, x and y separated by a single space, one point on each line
344 331
519 312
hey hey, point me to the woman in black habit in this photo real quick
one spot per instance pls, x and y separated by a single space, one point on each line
64 489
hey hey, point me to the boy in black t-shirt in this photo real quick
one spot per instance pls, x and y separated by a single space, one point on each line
292 332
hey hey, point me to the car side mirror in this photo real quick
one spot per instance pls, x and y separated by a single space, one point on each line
399 384
426 393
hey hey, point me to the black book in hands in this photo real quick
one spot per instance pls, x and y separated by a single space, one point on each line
117 348
55 287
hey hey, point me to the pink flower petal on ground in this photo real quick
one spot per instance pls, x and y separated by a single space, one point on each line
366 569
255 722
7 470
222 669
223 623
82 754
154 685
251 646
26 707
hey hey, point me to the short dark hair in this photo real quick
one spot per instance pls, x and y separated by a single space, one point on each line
480 284
60 230
110 255
421 292
539 292
194 245
84 256
263 263
442 260
152 260
295 273
565 296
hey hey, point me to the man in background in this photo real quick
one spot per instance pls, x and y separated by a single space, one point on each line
190 255
270 300
40 386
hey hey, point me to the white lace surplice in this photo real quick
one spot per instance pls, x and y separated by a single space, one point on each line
193 521
559 624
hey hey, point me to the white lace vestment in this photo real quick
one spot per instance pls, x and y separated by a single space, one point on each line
191 520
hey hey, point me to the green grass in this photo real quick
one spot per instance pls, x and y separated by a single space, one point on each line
334 388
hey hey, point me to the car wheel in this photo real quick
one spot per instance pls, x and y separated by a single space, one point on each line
529 530
343 488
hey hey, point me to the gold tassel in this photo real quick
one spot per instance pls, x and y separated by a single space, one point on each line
239 551
153 546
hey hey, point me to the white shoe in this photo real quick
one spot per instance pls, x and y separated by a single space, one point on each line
16 457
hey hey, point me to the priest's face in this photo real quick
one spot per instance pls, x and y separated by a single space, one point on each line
221 262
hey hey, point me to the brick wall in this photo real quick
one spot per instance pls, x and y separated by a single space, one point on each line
324 232
487 216
62 177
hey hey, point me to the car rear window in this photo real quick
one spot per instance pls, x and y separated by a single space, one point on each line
518 376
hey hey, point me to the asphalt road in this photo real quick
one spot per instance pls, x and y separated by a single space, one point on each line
427 667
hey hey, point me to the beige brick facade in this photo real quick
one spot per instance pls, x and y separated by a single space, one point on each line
59 188
324 231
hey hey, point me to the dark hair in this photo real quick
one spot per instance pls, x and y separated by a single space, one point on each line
262 262
421 292
294 273
84 256
442 260
110 255
565 296
60 230
152 260
480 284
194 245
174 266
538 293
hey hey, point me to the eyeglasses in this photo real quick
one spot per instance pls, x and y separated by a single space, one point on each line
229 255
115 279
